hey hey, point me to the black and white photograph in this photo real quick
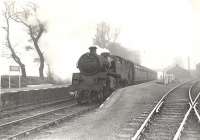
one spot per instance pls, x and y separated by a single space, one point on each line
100 69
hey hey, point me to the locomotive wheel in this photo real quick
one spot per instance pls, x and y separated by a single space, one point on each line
79 97
100 96
89 97
79 101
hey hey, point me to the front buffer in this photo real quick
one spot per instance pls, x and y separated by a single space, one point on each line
91 88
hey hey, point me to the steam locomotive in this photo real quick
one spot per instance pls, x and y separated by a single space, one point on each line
101 74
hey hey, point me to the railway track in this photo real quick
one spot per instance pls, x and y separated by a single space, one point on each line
172 113
17 110
191 129
24 122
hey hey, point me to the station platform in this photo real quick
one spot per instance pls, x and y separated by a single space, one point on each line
13 98
107 121
32 87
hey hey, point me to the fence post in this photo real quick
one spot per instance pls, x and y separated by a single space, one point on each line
9 81
19 79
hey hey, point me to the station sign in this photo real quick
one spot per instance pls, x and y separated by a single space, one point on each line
14 68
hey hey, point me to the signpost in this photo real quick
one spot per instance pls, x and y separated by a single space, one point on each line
14 69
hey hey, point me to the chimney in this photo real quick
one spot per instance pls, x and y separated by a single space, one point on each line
105 54
93 49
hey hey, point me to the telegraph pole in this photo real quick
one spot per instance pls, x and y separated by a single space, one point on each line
189 64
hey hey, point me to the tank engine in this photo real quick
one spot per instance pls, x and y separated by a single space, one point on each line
101 74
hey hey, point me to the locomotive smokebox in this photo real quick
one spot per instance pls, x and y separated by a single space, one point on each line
92 63
93 50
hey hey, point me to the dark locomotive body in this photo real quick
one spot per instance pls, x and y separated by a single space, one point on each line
101 74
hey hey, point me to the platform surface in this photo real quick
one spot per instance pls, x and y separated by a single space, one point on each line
32 87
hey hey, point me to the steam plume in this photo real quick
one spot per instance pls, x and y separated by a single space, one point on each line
117 49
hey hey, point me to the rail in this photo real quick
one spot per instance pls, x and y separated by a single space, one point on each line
192 105
155 110
196 112
195 109
56 121
190 96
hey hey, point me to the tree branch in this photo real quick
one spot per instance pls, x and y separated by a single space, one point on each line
41 30
19 20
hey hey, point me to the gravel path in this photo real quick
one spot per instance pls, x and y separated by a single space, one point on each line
105 122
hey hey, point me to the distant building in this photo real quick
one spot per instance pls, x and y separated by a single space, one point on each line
198 69
179 72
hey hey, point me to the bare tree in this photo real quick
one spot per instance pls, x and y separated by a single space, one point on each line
104 35
35 29
7 15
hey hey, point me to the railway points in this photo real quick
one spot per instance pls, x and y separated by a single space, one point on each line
191 127
176 112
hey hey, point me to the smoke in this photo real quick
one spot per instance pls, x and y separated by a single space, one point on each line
119 50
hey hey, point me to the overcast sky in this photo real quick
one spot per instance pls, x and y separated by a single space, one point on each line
160 30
